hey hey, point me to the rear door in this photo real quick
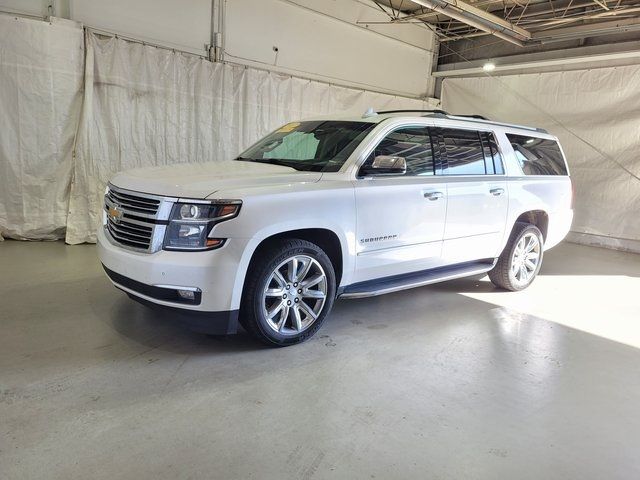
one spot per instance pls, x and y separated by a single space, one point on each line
477 194
400 218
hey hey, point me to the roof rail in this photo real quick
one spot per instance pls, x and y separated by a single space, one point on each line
441 112
472 118
467 118
476 116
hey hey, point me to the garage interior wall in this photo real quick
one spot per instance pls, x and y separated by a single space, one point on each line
324 40
594 113
150 106
321 40
140 106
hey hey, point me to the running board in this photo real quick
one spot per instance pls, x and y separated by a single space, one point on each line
380 286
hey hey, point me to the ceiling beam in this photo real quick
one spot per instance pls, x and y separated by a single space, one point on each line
602 4
482 3
555 62
476 18
587 30
609 13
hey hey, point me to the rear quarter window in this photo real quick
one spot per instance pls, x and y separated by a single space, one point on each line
538 156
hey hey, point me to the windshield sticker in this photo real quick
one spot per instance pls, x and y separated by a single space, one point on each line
289 127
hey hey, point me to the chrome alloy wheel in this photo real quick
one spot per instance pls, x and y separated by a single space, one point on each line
525 259
295 295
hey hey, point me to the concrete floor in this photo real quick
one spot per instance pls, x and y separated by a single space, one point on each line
456 380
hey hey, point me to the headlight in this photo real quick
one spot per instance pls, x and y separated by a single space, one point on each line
190 224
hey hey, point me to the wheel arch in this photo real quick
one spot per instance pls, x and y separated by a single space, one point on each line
539 218
331 241
325 238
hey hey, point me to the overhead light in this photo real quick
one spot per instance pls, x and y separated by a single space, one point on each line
489 67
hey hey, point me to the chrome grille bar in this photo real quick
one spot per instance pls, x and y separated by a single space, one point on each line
141 222
127 239
124 230
136 204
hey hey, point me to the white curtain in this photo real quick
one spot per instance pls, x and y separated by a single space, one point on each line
138 106
40 97
596 115
149 106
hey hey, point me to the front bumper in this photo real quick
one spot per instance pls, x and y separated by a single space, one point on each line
211 323
151 277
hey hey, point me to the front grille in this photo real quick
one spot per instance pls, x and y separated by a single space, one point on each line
136 220
130 234
134 203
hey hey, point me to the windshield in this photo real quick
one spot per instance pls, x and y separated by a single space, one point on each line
320 146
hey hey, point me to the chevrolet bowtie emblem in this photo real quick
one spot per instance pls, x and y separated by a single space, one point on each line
115 214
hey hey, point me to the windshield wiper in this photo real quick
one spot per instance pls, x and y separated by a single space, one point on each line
272 161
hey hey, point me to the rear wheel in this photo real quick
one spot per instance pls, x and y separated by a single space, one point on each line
289 292
521 259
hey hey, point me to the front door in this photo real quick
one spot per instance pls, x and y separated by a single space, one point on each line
400 218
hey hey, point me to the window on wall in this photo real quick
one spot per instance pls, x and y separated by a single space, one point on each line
538 156
463 152
412 143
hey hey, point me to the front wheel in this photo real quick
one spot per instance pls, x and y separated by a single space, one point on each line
520 260
289 292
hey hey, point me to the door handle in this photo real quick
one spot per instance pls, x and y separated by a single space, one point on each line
433 195
496 191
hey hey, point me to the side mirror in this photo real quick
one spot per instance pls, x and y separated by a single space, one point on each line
387 165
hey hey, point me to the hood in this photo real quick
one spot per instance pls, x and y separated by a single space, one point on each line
199 180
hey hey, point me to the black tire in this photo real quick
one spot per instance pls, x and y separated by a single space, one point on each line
502 274
252 311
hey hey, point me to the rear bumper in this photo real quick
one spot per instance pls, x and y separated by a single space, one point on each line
559 226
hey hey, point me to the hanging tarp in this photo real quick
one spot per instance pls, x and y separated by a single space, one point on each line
151 106
137 106
40 97
596 115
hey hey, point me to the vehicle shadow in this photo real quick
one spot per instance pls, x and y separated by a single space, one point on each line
162 330
567 259
574 259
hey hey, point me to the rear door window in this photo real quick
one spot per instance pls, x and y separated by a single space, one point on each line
538 156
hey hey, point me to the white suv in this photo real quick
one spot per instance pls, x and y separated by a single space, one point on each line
336 208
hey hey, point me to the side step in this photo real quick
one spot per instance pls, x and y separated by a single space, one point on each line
380 286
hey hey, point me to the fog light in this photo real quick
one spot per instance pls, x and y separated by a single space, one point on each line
187 295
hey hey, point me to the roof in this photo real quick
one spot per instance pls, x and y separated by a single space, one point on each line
377 117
